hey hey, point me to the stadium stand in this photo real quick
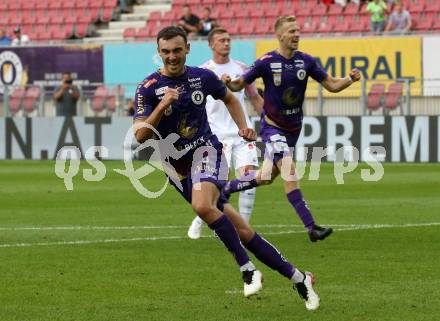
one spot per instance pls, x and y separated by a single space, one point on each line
45 20
315 17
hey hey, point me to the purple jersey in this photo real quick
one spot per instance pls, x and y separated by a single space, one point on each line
186 116
285 84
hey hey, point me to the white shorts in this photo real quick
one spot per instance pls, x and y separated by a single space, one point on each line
239 153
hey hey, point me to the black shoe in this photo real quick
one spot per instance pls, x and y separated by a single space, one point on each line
319 233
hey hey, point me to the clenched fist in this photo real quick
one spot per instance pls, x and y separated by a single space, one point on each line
248 133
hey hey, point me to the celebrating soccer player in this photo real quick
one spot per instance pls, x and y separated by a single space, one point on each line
239 153
285 72
172 100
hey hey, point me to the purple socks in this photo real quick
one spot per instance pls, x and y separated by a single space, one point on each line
269 255
228 235
296 199
243 183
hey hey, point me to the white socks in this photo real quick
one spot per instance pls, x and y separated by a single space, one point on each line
246 202
298 276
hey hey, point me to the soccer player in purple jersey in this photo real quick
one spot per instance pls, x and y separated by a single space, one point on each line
285 72
172 101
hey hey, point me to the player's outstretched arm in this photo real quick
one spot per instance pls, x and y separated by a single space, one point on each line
336 85
142 132
234 85
238 116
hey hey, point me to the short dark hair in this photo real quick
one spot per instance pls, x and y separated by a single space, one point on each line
170 32
215 31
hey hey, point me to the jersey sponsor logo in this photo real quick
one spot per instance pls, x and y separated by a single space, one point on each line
288 66
289 97
195 85
194 79
301 74
186 131
150 82
161 90
140 104
197 97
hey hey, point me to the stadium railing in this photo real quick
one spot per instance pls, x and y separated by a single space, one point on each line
398 97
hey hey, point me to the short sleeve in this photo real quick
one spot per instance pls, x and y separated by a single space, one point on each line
142 102
254 72
316 71
214 86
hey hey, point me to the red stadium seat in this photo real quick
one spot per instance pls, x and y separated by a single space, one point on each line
31 97
106 14
325 26
393 97
247 27
335 10
416 7
15 99
432 6
155 15
436 24
319 10
42 4
142 32
424 23
351 9
112 98
129 33
98 99
29 5
342 24
81 30
375 96
81 4
243 13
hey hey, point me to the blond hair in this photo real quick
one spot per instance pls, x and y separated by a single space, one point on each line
282 19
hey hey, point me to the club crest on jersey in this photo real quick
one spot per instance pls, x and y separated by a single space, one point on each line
301 74
197 97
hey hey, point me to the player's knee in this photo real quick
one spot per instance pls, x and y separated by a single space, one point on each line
202 209
245 233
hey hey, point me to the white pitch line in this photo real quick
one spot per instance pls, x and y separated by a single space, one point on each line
159 227
158 238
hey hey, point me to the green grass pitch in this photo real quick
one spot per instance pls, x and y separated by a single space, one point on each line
103 252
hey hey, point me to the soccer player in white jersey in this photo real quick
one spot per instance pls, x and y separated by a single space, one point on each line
240 154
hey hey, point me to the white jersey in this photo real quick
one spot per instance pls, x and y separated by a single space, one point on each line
220 121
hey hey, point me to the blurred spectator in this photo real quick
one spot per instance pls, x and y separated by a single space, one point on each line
399 21
123 6
189 21
66 97
129 111
207 23
4 39
378 10
20 39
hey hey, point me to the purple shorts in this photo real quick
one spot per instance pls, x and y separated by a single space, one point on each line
277 142
204 164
